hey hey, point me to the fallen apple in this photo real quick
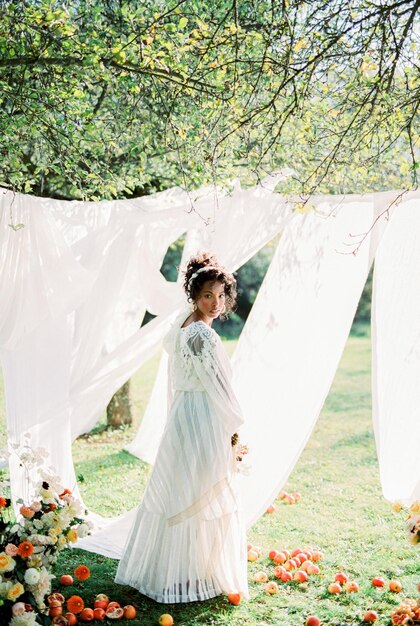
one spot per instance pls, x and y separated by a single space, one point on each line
71 618
313 621
280 558
378 581
252 555
87 615
286 577
101 601
261 577
351 586
166 620
313 568
395 586
234 598
270 509
99 614
341 578
272 554
370 617
279 571
300 576
271 588
129 611
66 580
334 588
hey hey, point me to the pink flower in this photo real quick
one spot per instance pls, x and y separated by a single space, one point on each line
18 609
36 506
11 549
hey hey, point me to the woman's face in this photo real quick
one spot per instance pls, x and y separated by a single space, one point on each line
211 300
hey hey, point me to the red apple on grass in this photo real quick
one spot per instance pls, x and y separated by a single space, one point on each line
341 578
234 598
313 620
99 614
87 615
300 576
279 571
101 601
395 586
280 558
66 580
351 586
271 588
370 617
334 588
378 581
261 577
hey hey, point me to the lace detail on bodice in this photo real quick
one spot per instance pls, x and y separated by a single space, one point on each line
195 342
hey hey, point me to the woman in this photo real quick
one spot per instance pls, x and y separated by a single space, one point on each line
188 541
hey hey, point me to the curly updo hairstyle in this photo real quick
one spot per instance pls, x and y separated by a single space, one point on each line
216 272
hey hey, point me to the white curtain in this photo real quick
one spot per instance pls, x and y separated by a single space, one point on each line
77 278
396 354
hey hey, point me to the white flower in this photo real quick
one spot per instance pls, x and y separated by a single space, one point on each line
31 576
83 530
43 587
27 619
38 524
74 508
4 588
36 506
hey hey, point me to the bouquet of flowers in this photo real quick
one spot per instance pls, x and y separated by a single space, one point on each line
29 546
412 523
240 450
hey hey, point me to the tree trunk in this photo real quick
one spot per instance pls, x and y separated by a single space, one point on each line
118 411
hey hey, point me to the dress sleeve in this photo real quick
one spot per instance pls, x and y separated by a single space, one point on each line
212 367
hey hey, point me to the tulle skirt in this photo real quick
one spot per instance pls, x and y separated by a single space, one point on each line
188 540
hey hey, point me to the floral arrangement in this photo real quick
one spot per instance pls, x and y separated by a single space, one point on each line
30 544
408 612
412 523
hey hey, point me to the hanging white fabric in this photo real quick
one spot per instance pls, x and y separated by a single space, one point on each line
396 353
290 347
80 293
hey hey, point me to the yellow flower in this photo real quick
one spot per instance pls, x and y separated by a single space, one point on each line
72 535
15 591
415 507
397 507
6 562
62 541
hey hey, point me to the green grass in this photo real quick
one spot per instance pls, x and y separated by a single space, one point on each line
342 511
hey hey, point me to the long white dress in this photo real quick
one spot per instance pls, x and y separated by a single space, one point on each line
188 539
